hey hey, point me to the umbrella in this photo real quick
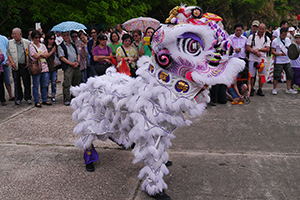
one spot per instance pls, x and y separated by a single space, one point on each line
141 23
68 26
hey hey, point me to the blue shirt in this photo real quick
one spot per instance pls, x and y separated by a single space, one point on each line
89 46
246 34
3 47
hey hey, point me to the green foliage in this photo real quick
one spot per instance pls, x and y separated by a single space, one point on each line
51 12
24 13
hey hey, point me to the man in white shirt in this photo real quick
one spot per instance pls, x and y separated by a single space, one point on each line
282 62
258 47
238 42
121 32
276 33
291 33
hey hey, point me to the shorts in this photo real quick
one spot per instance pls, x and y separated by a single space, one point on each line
6 75
288 71
253 69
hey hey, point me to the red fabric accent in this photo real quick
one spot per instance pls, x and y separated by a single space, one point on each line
188 76
124 68
182 11
113 61
262 78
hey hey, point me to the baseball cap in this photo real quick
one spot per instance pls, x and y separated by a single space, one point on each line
255 23
291 28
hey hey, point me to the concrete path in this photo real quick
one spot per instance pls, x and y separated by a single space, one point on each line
246 151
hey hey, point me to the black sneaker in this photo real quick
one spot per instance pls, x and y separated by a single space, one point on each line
133 145
47 103
260 92
212 103
161 196
90 167
169 163
252 92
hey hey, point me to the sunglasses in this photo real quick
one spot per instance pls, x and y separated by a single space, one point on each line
37 37
74 36
135 35
93 32
104 39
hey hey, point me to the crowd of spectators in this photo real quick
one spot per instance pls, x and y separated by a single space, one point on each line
82 55
79 54
254 46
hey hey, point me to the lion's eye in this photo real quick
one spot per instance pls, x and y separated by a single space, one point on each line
190 43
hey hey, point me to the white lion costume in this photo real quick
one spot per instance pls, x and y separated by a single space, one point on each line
187 56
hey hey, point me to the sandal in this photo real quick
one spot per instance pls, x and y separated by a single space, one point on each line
11 99
47 103
38 105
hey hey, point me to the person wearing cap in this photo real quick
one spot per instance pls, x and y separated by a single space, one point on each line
276 33
282 62
258 47
254 27
291 33
295 64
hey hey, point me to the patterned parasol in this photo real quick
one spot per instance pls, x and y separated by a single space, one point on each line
141 23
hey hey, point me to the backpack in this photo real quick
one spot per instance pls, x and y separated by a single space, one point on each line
248 33
64 66
253 40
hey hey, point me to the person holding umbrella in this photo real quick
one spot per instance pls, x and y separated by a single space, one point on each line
69 56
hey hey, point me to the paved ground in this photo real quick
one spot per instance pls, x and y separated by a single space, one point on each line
231 152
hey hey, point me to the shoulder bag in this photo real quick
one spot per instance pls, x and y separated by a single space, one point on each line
132 69
34 67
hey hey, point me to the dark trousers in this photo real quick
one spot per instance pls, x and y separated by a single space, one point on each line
91 71
72 77
23 73
2 92
218 93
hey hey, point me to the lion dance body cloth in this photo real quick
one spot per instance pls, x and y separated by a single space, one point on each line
187 55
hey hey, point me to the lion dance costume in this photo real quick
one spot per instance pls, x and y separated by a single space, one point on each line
187 55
